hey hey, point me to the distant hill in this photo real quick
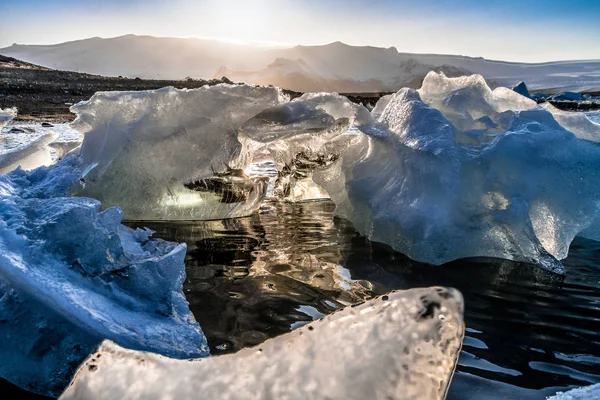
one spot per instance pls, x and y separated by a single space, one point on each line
333 67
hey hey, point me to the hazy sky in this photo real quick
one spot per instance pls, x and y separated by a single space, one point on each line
516 30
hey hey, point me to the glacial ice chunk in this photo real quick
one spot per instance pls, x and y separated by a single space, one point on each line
404 345
7 115
522 89
450 171
71 276
471 106
171 154
31 145
437 190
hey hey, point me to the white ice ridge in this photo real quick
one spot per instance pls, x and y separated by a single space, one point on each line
7 115
401 346
582 393
71 276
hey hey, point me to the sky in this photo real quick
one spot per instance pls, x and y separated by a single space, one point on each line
512 30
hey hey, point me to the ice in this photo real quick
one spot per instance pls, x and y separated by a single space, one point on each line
171 154
583 393
577 122
458 170
27 152
404 345
478 113
71 276
31 145
7 115
567 96
302 136
522 89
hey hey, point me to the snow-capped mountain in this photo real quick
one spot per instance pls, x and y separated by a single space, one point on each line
332 67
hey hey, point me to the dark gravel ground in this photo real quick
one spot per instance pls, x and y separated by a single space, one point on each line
45 94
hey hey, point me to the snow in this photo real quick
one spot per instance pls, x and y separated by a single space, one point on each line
583 393
171 154
404 345
71 276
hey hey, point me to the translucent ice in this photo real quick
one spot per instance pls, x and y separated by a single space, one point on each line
31 145
404 345
29 154
170 154
7 115
302 136
576 122
458 170
71 276
450 171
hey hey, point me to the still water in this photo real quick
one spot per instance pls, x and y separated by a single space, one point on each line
530 332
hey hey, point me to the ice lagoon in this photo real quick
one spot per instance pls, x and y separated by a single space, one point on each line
451 171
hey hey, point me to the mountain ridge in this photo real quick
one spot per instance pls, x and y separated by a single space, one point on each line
335 66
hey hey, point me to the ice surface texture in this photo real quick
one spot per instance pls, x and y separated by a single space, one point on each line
401 346
151 152
583 393
302 136
71 277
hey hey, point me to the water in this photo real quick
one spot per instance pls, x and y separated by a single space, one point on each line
530 333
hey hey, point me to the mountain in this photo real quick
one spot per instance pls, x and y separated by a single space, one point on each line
333 67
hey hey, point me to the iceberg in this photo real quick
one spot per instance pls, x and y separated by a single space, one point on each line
458 170
31 145
403 345
171 154
28 154
71 276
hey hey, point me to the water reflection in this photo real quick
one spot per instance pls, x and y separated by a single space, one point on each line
530 332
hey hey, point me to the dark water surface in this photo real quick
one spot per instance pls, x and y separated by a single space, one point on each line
529 332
